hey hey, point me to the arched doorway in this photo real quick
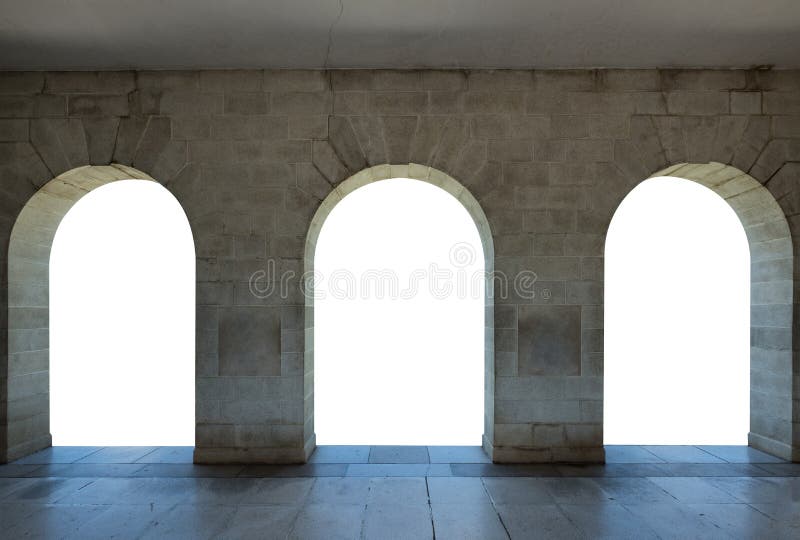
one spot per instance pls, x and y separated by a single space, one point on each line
677 310
771 298
485 251
121 320
29 309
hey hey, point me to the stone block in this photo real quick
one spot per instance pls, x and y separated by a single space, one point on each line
526 174
343 140
745 102
13 130
445 102
249 341
308 127
49 105
90 82
397 102
589 150
16 106
231 80
549 340
259 127
98 105
246 103
703 79
188 103
21 82
698 103
510 150
444 80
494 102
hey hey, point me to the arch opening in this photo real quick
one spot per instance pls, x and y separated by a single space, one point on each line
771 270
29 311
677 319
423 393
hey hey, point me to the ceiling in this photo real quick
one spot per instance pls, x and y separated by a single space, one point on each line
119 34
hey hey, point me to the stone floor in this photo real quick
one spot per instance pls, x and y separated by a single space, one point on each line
401 492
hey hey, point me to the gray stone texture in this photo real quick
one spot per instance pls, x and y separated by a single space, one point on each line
547 155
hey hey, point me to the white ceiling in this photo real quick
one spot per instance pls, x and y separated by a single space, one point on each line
82 34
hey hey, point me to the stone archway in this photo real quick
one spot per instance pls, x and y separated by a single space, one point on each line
28 301
457 190
771 259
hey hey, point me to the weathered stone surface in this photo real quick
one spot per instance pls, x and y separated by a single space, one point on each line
549 340
548 156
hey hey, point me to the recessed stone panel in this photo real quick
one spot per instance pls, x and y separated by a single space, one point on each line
549 341
249 341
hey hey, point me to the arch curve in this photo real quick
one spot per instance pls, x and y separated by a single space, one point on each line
464 196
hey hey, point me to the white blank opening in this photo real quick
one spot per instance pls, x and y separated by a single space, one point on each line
404 366
677 318
122 320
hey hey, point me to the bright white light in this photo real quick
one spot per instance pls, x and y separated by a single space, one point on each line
677 318
122 320
396 370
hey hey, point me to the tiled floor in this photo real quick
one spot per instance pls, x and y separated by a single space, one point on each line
400 492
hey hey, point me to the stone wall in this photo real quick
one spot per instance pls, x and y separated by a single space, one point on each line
548 155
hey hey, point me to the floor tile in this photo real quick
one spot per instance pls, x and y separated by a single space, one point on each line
340 454
518 491
607 520
759 490
494 469
413 491
694 490
104 491
398 521
630 454
457 491
682 454
741 454
162 491
291 491
48 490
457 454
326 521
780 469
188 470
738 520
612 470
712 469
574 490
13 513
460 521
537 521
261 522
9 485
399 454
309 470
786 512
88 470
191 521
340 491
398 469
12 470
54 521
59 454
120 521
227 491
675 521
633 490
169 454
117 454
